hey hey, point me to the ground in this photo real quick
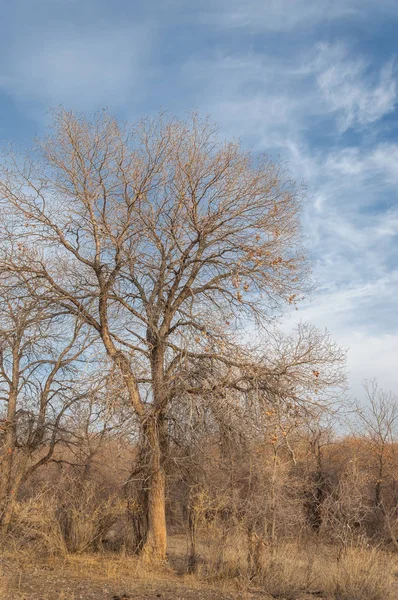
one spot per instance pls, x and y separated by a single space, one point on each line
25 575
90 578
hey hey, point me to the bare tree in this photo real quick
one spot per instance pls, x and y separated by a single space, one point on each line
39 351
379 419
164 240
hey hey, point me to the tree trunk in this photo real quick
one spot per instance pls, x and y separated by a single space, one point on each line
155 544
6 479
149 509
273 504
9 504
155 438
6 487
192 559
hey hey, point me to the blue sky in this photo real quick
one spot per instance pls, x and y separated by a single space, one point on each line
314 82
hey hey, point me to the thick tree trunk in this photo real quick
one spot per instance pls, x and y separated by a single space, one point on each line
156 539
149 510
6 469
155 438
6 487
10 500
6 479
146 492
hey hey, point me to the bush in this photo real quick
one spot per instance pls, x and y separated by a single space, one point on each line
287 573
35 523
74 519
361 574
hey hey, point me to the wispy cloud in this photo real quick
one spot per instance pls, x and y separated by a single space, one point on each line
282 97
378 165
352 90
288 77
285 15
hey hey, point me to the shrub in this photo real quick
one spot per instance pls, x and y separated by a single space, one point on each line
73 520
287 573
360 574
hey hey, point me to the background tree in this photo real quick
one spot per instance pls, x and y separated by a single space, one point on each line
40 348
379 420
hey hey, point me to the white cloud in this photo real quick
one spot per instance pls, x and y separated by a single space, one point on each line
286 15
338 307
275 101
283 14
353 219
347 88
352 316
276 105
369 357
377 167
352 223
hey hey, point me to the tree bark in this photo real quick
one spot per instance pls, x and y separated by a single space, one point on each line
192 559
155 435
10 500
156 538
10 439
150 518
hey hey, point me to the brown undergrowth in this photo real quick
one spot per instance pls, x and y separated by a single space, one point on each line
291 572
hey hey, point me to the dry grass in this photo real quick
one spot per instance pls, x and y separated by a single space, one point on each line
4 583
72 523
360 574
222 555
102 577
293 570
35 525
289 572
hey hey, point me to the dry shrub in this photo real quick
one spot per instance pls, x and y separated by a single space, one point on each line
221 538
85 517
293 570
71 520
360 574
287 572
35 523
223 551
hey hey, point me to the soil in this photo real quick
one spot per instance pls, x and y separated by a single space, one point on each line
72 581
